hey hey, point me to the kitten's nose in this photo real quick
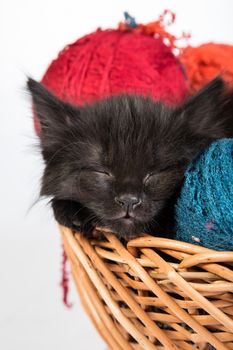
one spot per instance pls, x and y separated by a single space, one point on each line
128 201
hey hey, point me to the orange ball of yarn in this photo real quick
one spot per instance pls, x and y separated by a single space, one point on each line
204 62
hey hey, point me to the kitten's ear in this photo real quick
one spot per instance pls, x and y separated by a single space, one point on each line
209 113
54 115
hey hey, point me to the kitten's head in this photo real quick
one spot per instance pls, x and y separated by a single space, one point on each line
123 157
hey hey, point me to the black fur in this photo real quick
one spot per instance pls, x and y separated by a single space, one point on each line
124 145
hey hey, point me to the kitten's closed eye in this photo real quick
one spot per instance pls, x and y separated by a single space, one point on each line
166 169
98 171
156 183
103 172
153 180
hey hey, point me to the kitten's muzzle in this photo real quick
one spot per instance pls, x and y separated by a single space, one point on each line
128 202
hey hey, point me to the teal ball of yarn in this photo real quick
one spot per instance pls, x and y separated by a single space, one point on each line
204 211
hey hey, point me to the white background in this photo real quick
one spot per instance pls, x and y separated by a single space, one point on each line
32 316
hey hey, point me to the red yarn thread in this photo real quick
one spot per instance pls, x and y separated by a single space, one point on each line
157 29
65 280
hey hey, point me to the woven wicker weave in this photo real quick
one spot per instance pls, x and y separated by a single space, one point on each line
155 293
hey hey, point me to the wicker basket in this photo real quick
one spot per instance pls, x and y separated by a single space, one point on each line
155 293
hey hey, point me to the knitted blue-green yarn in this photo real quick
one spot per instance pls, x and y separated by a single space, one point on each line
204 211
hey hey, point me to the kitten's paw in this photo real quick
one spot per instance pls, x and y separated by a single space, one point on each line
84 226
73 215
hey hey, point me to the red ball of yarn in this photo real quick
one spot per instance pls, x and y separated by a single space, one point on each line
204 62
109 62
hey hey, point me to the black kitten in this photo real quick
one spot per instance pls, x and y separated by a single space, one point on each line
120 162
